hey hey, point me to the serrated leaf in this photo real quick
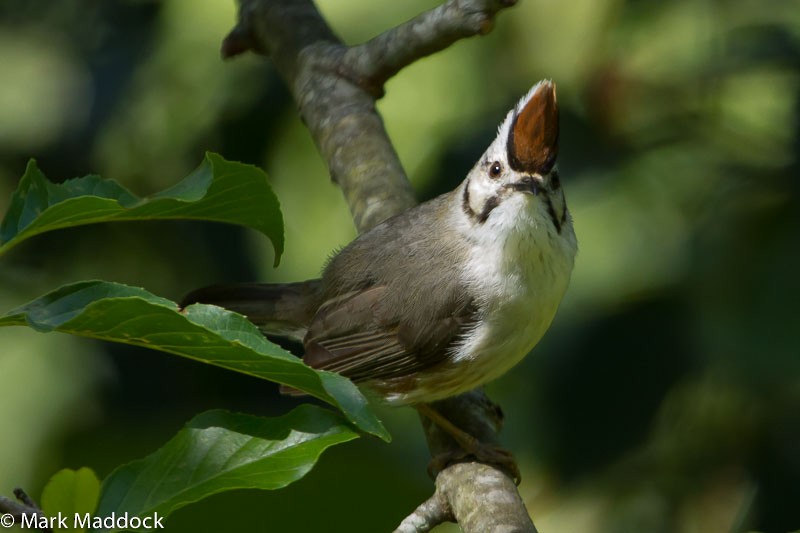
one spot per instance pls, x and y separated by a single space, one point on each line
206 333
219 451
70 492
219 190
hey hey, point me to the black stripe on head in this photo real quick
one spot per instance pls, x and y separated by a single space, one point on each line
555 180
552 212
465 202
488 207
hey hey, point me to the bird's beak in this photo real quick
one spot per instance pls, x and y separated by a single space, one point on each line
528 184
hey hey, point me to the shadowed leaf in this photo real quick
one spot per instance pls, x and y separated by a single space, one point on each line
219 451
206 333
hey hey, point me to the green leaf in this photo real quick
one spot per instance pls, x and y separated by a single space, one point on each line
220 451
206 333
71 492
219 190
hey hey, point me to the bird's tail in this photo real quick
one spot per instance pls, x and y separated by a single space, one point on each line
284 309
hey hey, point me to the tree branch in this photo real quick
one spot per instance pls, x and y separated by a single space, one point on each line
382 57
335 87
25 506
338 111
432 512
483 498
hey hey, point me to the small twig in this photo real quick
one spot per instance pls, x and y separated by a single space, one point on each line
238 41
432 512
17 510
382 57
22 496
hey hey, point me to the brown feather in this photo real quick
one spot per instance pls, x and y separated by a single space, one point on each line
360 325
533 140
364 329
362 336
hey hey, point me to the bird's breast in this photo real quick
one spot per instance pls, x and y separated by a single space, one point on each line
519 287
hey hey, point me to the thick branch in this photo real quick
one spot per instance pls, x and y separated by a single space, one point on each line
339 113
336 87
484 499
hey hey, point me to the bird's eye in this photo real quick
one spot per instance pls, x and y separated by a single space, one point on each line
495 169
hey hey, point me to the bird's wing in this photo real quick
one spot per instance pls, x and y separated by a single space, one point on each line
361 335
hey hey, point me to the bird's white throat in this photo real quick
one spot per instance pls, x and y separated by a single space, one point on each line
519 268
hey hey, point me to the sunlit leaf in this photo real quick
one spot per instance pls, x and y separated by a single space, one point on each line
219 190
70 492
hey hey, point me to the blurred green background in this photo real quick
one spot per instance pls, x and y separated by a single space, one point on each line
666 396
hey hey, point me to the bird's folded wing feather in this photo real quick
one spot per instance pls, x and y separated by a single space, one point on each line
361 335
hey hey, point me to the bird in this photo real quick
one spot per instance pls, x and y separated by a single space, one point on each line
447 295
